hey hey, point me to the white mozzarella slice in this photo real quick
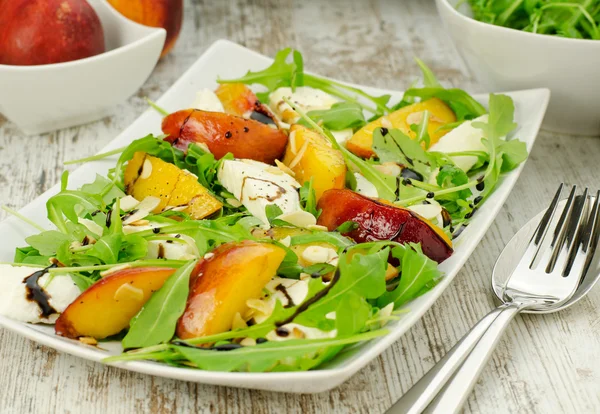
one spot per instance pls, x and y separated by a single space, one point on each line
464 137
256 186
13 294
207 100
162 249
304 97
365 187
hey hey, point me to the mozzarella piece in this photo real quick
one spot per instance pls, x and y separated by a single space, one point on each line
162 249
305 332
256 187
464 137
365 187
431 212
304 97
13 294
207 100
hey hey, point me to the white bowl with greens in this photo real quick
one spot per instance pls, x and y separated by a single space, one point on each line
529 46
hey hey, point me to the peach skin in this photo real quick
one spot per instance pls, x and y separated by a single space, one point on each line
106 308
234 273
223 133
379 221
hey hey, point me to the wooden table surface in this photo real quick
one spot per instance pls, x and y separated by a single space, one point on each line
544 364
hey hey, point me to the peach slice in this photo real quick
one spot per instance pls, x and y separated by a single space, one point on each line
106 308
232 274
309 155
223 133
379 221
146 175
361 142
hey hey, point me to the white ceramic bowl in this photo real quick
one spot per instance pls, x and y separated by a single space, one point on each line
48 97
505 59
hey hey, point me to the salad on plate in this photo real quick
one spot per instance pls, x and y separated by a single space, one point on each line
277 220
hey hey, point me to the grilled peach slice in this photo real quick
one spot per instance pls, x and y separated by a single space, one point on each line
361 142
224 133
238 99
379 221
234 273
146 175
310 155
106 308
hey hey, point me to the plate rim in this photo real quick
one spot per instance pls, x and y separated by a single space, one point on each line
318 380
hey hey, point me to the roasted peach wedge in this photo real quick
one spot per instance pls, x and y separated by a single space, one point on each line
106 308
309 155
146 175
361 143
223 133
238 99
379 221
234 273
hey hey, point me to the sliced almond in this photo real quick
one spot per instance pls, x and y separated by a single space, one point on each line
286 241
386 123
427 211
88 340
91 226
146 169
318 254
248 342
299 155
259 305
284 168
128 203
233 202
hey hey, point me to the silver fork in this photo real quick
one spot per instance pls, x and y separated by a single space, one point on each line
545 278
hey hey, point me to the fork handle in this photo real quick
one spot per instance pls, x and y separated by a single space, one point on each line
456 391
417 399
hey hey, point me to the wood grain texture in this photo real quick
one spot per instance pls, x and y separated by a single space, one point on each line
544 364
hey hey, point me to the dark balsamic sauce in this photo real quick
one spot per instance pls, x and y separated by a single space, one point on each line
411 174
459 231
108 218
36 293
480 186
477 200
262 118
317 297
281 331
282 289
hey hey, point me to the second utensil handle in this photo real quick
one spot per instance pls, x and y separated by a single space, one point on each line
456 391
415 400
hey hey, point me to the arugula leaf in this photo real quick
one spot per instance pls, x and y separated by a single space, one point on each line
279 74
108 246
30 255
463 104
65 204
418 275
103 187
298 71
395 146
48 242
347 227
156 322
452 176
352 314
422 134
335 239
292 355
308 198
341 115
359 273
429 79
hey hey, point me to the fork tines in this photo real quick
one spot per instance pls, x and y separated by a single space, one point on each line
574 235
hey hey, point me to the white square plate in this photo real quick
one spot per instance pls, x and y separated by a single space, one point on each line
229 60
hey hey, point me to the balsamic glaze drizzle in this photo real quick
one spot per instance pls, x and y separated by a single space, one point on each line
318 296
282 289
37 294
